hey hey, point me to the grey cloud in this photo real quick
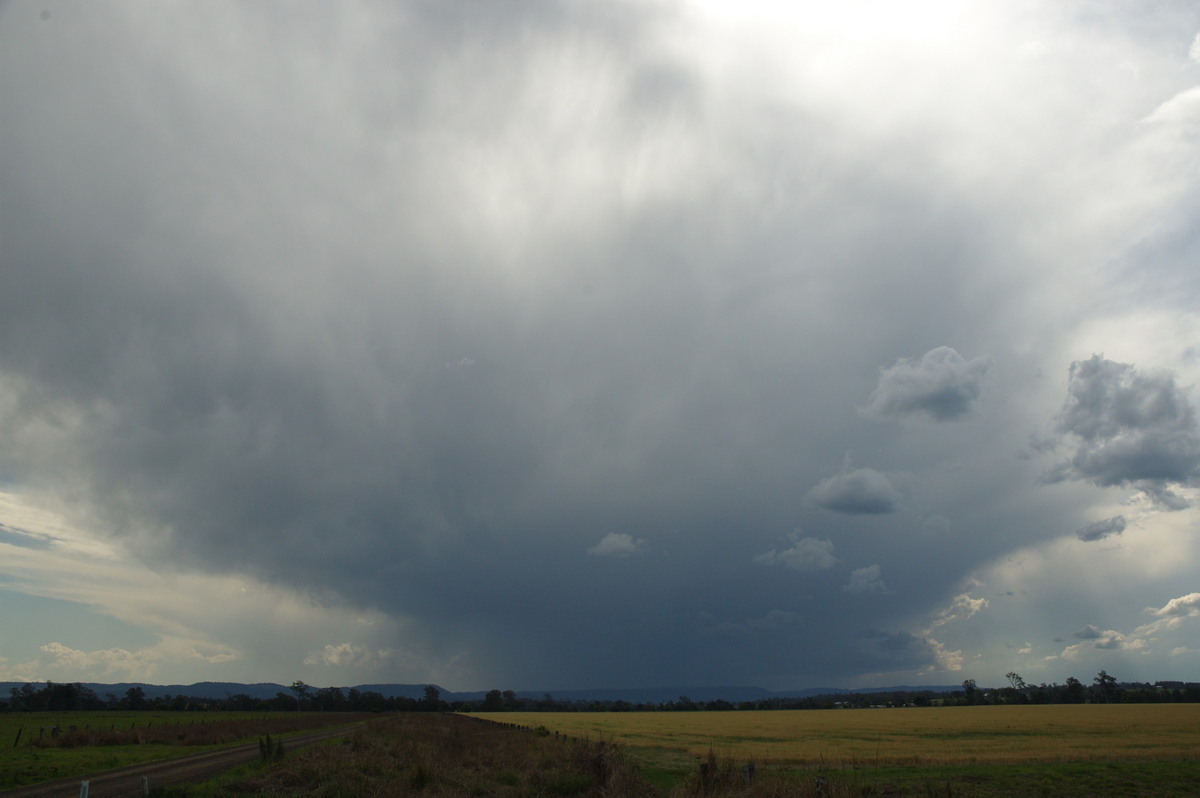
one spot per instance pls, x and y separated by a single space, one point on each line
1128 426
862 491
1163 497
865 580
617 544
941 384
1088 632
805 554
417 321
1099 530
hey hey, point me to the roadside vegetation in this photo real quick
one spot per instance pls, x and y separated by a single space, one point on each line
437 755
43 746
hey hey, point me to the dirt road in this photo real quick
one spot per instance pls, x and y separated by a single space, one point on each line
127 781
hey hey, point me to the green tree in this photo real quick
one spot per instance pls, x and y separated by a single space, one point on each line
135 698
301 690
970 690
493 701
1106 686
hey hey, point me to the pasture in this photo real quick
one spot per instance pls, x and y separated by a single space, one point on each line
90 742
949 735
1093 749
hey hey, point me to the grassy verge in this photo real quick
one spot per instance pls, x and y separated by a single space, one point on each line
436 755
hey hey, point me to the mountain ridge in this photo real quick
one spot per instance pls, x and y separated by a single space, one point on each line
632 695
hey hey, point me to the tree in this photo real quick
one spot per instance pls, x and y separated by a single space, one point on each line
135 698
301 691
493 702
1074 691
433 699
970 690
1106 686
1015 680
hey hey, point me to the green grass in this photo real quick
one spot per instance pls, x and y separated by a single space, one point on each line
105 740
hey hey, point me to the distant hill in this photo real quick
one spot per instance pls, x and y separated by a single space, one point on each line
645 695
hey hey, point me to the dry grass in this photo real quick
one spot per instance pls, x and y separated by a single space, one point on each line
903 737
443 755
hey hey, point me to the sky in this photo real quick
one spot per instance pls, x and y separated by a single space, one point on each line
551 344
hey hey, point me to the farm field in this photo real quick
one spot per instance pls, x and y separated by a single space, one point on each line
1059 750
91 742
950 735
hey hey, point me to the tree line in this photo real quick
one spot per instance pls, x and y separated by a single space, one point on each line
1104 688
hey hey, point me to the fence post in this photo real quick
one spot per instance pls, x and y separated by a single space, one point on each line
145 785
83 790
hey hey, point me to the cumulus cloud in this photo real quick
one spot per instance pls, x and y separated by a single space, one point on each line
805 554
348 655
865 580
1106 640
1171 614
64 663
1128 427
1099 530
964 606
862 491
617 544
941 384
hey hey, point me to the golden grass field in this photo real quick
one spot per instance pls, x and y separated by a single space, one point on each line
906 737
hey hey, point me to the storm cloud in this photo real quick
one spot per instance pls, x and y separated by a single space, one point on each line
509 345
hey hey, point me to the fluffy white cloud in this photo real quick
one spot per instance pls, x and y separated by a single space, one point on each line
1183 607
964 606
349 655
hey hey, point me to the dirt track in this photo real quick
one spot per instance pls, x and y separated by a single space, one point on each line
127 781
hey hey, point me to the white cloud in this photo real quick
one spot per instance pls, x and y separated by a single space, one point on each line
349 655
617 544
1106 640
56 661
805 554
964 606
1183 607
